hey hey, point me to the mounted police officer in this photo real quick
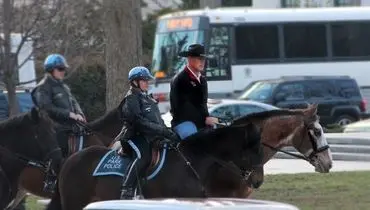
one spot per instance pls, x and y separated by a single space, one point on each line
143 125
55 97
189 95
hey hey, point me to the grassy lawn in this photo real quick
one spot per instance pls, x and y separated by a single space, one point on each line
336 190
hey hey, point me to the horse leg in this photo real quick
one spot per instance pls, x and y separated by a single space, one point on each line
18 198
108 188
77 186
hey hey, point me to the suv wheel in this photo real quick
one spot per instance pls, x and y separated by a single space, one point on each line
344 120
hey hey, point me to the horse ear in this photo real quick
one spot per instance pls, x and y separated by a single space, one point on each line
35 113
311 110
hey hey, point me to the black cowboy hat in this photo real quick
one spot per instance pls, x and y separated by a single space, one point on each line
194 50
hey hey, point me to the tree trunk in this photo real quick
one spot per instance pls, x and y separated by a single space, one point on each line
8 62
123 46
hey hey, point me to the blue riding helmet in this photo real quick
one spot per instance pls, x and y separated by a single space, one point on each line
55 61
140 73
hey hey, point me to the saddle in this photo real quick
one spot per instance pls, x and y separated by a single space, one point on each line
76 137
125 151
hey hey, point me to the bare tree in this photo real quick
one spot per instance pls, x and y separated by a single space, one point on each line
55 26
122 27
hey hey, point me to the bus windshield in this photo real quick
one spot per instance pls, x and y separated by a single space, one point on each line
174 35
166 62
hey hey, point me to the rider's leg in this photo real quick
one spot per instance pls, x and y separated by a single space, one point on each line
62 138
50 179
142 157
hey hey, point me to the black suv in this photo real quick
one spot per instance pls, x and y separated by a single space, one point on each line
338 97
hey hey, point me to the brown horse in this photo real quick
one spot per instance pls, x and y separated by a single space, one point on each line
302 131
96 173
25 138
98 132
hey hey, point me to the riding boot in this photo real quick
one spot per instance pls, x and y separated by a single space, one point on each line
128 186
50 180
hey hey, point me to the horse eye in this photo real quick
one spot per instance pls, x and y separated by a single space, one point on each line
317 132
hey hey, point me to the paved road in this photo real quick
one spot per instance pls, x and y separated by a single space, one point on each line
291 166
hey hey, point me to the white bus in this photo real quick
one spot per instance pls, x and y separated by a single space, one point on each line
251 44
24 60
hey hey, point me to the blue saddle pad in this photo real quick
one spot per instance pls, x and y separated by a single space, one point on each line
113 164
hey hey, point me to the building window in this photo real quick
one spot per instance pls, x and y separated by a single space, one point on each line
304 3
290 3
343 3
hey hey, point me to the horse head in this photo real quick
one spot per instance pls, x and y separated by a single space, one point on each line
302 131
255 124
311 142
43 132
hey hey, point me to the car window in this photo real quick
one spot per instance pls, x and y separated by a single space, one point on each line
347 88
292 91
259 91
245 109
221 112
320 89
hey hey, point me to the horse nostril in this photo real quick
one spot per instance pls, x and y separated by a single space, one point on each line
330 165
257 184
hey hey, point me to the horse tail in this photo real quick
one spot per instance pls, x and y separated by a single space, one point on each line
56 201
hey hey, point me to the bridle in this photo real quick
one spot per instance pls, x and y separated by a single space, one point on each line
315 148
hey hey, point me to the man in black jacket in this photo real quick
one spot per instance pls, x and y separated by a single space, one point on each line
189 94
143 125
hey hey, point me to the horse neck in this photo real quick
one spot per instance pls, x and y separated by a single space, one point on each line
217 143
279 132
107 127
20 141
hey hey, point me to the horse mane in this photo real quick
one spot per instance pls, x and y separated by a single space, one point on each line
102 121
207 140
264 115
22 119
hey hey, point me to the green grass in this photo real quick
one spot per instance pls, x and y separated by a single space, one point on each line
31 203
333 191
340 190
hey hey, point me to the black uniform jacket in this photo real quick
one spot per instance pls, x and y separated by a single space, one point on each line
142 117
56 98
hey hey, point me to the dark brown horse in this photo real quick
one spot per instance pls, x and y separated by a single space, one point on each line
98 132
85 176
302 131
28 138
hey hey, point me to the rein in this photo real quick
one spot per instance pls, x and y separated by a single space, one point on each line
244 174
299 156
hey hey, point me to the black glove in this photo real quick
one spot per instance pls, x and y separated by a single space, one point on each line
169 134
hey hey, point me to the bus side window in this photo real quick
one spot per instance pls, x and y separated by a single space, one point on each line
218 67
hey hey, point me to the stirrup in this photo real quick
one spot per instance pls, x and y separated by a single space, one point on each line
49 184
127 193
